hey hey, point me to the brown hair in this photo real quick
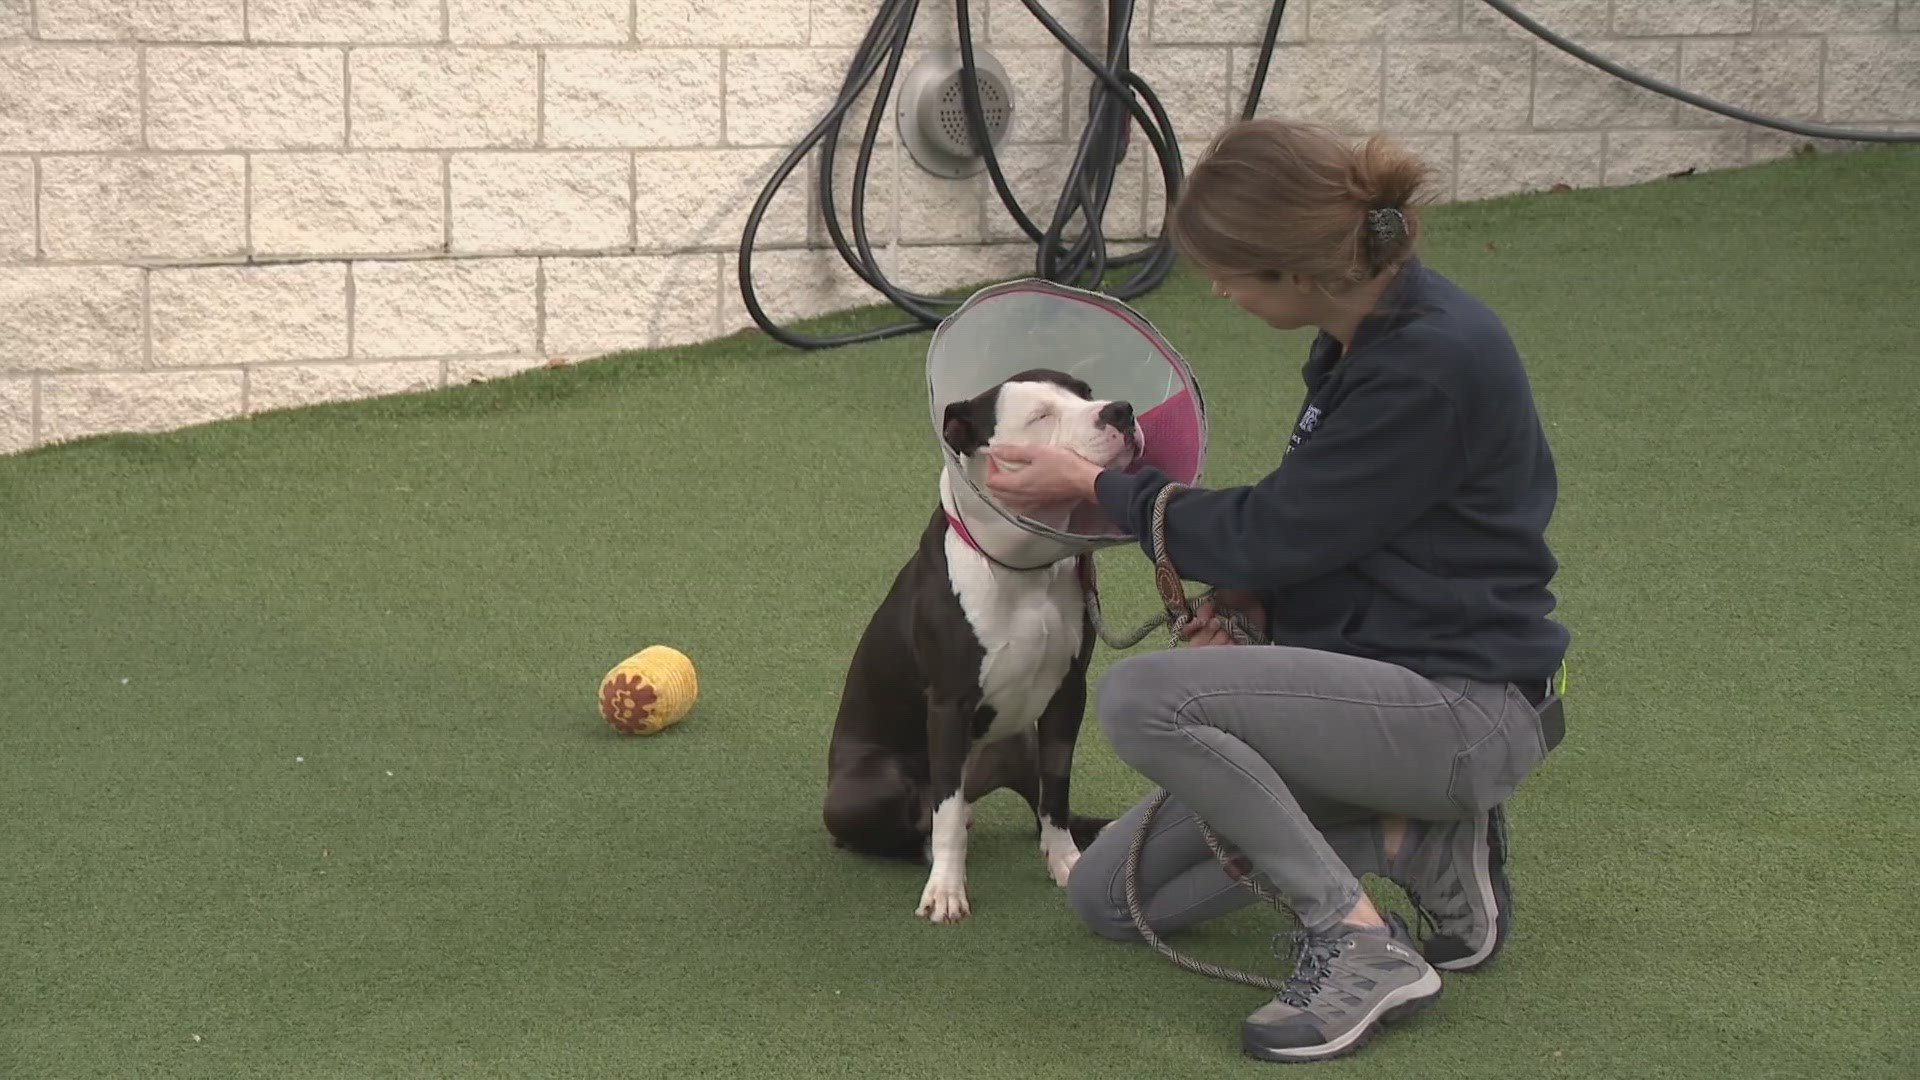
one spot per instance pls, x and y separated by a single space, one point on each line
1270 197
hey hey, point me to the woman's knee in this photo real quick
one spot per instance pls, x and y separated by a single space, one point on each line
1136 698
1095 894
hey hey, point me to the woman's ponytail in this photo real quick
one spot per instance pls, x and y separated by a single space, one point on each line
1270 197
1388 182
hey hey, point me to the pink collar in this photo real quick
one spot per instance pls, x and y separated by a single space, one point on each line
960 529
1082 563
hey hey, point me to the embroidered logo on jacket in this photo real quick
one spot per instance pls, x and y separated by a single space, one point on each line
1308 420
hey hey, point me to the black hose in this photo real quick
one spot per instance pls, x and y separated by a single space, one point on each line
1096 161
1812 131
1118 96
1258 84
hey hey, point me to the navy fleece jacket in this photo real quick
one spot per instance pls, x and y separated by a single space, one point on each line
1406 519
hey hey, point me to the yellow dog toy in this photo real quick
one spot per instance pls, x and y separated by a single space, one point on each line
648 692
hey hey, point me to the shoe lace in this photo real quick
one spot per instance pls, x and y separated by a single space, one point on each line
1312 964
1425 924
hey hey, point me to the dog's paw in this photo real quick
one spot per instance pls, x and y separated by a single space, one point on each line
1059 850
1060 865
943 902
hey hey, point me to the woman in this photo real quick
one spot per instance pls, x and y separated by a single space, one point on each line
1396 559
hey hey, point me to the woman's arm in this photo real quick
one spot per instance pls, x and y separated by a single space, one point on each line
1391 449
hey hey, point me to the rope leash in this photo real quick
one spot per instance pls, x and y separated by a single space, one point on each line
1179 614
1179 611
1198 967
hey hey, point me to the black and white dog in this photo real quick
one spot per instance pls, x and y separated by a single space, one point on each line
971 676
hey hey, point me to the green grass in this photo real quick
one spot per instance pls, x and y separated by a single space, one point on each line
469 876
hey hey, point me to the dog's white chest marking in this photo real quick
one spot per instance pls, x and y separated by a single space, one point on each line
1029 623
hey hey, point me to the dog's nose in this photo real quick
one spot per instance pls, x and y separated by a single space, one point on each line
1118 414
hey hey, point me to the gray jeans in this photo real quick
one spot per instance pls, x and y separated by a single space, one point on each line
1290 756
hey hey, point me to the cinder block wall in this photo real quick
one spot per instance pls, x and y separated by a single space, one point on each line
216 207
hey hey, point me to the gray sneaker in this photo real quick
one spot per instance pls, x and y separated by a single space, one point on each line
1456 875
1345 985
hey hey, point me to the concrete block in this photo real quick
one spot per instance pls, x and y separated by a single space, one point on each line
360 22
701 198
217 315
69 98
603 305
1670 18
1437 151
17 237
143 20
354 203
627 98
1333 84
560 201
951 267
1471 86
420 99
461 372
938 210
1774 76
795 285
224 97
1039 95
774 96
1825 16
1010 23
74 406
1575 19
72 318
1192 84
16 415
273 388
1493 165
1873 78
1037 175
550 22
763 22
444 307
1222 22
1637 156
1348 20
161 207
882 183
1569 93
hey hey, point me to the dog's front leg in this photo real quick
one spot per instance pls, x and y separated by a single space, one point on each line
1059 730
945 897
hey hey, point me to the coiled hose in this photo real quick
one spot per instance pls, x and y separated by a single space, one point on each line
1119 95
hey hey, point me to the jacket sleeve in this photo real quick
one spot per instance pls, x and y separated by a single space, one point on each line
1392 448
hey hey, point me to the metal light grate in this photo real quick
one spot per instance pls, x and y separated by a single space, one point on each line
932 112
995 107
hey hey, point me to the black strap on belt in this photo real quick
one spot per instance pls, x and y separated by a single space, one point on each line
1553 721
1552 710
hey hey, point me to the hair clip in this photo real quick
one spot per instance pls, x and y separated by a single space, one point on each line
1387 224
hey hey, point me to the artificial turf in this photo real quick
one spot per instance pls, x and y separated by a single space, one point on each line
301 776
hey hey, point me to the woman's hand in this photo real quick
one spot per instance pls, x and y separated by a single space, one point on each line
1050 476
1209 625
1206 629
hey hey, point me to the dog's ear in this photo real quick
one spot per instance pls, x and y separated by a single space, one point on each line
960 430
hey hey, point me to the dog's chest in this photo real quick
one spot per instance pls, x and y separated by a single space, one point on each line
1029 626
